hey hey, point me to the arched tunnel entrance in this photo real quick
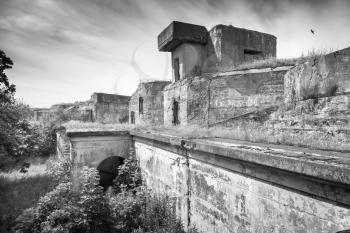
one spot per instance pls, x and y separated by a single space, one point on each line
108 170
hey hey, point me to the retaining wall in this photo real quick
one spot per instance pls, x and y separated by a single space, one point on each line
234 186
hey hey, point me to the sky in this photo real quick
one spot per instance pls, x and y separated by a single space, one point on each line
64 50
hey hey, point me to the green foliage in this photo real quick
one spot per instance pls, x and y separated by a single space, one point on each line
63 210
130 207
129 175
60 169
6 89
20 191
19 140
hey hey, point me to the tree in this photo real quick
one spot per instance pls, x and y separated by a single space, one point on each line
6 89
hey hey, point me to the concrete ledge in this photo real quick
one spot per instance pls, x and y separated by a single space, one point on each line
320 174
90 132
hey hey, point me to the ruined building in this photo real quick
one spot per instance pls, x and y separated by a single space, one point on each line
146 104
288 171
102 108
202 92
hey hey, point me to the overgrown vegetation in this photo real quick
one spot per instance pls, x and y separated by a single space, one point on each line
95 126
127 207
274 62
19 191
19 140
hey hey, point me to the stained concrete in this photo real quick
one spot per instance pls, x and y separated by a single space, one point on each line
235 186
152 97
322 76
223 47
212 98
110 108
92 148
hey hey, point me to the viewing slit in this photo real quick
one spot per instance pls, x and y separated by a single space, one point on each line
132 117
140 105
176 113
177 69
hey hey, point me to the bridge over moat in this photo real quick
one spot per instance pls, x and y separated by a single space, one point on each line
224 185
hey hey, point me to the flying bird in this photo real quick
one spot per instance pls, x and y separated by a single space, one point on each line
312 31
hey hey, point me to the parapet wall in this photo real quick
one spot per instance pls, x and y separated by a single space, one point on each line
233 186
212 98
109 108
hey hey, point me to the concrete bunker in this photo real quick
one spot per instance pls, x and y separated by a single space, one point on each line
194 50
146 104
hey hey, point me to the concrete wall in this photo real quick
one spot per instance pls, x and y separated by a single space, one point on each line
322 76
109 108
223 186
91 148
230 46
216 97
152 95
190 57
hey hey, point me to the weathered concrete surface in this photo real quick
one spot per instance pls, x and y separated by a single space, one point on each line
322 76
153 110
191 57
93 148
179 32
230 46
223 47
165 173
109 108
216 97
90 148
236 186
223 201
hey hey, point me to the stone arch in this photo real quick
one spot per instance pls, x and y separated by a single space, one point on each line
108 170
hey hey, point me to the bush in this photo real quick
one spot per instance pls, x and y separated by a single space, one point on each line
129 207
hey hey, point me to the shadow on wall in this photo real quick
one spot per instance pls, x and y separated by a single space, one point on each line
108 170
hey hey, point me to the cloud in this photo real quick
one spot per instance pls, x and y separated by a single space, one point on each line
67 49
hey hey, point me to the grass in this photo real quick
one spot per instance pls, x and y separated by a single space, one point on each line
261 133
20 191
93 126
274 62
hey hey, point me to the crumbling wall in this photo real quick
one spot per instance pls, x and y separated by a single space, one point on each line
230 46
152 98
109 108
212 98
322 76
176 92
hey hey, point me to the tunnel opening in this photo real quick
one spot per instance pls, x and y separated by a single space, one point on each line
108 170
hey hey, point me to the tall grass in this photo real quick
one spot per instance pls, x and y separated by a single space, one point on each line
274 62
19 191
94 126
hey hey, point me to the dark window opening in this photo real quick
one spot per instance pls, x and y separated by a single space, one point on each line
177 69
176 113
132 117
252 52
141 105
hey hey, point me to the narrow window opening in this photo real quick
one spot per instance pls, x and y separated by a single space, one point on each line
132 117
252 52
140 105
177 69
176 113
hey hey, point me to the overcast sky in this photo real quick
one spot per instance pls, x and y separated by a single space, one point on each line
64 50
